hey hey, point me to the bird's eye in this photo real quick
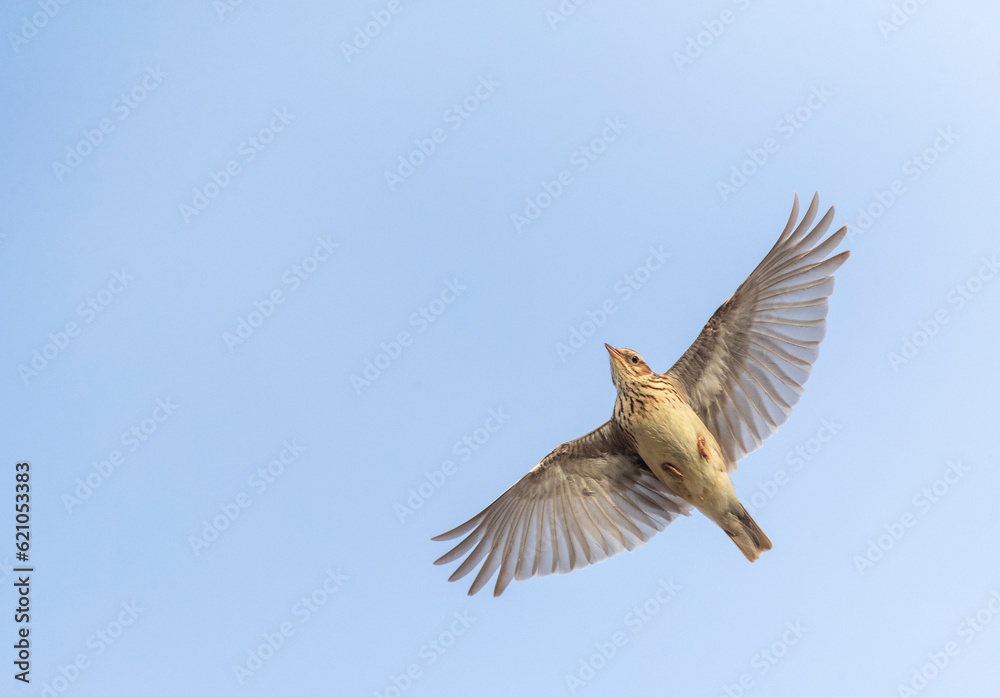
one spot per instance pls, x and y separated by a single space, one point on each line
635 359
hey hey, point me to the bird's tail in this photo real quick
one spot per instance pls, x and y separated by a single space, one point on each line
745 532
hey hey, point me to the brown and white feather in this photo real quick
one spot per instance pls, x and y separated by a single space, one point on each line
745 371
588 500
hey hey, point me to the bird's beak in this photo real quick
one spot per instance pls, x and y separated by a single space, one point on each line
614 352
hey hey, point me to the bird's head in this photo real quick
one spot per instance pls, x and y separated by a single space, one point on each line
626 366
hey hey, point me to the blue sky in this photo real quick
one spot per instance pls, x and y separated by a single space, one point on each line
289 290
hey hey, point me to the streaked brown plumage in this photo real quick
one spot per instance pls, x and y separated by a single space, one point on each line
673 438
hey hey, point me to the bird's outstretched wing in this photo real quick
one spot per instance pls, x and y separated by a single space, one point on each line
746 369
587 500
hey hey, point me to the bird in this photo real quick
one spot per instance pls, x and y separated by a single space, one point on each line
674 438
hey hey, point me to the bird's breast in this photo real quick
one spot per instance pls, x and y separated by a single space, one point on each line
679 449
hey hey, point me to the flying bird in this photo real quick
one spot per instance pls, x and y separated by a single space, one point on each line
673 438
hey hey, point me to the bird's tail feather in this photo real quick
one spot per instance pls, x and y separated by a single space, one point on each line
746 533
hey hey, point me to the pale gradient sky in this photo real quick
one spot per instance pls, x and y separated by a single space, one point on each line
197 208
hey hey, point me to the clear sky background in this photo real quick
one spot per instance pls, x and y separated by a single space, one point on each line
168 167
